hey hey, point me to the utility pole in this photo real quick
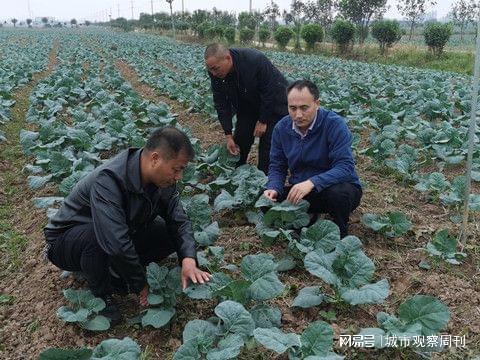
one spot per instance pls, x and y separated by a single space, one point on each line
132 9
118 9
471 140
183 8
29 11
153 20
250 6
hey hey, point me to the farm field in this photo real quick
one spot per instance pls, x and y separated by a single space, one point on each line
72 99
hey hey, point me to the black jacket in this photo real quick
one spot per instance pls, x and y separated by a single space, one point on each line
113 199
255 83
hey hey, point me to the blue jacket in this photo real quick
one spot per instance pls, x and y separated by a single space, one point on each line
324 155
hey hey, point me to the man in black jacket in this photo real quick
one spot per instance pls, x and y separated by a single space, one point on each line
244 82
125 214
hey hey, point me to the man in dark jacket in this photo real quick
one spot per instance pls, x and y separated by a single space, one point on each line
125 214
314 145
244 82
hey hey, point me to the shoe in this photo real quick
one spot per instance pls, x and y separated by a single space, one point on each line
111 310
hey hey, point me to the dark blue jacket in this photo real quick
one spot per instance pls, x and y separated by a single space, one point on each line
255 84
324 155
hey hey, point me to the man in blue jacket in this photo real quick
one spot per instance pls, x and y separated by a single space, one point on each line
314 144
244 82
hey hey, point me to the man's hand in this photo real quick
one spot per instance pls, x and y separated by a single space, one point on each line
231 146
142 297
271 194
299 191
260 129
191 272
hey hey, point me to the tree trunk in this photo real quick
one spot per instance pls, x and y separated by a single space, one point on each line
173 21
412 24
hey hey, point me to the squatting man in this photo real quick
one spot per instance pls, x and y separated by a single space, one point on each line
124 215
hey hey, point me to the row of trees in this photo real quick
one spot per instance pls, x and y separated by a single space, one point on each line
323 12
46 22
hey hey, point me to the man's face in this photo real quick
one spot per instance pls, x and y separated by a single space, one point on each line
302 107
219 66
165 173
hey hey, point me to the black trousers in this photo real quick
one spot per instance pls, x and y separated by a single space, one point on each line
243 136
338 201
77 249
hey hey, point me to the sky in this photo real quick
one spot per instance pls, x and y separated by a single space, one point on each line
101 9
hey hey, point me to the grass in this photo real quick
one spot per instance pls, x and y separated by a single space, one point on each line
12 243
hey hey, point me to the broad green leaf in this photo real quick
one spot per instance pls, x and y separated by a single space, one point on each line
98 323
64 354
255 266
188 351
67 315
235 318
427 310
156 276
308 297
203 332
115 349
367 294
276 340
157 317
228 348
267 287
266 316
324 234
317 339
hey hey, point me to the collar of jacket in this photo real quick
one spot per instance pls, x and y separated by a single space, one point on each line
320 117
134 180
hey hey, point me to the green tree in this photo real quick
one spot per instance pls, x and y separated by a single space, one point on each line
296 16
320 11
343 33
14 22
29 23
246 20
73 22
229 34
361 12
387 33
246 35
271 12
311 34
413 11
437 36
263 35
87 23
463 12
202 29
283 35
44 21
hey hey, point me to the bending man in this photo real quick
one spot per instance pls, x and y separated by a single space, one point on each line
244 82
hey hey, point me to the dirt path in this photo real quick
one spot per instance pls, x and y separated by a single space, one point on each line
207 130
21 238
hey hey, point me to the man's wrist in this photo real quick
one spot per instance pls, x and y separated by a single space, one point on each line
229 136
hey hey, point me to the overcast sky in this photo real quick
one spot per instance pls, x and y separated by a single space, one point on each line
100 9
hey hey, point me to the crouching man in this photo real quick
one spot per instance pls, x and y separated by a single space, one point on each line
314 144
122 216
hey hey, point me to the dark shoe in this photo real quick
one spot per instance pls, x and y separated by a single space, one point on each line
111 310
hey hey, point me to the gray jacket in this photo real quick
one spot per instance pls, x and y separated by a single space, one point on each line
113 199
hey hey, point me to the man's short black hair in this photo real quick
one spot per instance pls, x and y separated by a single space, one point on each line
170 141
302 84
215 49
